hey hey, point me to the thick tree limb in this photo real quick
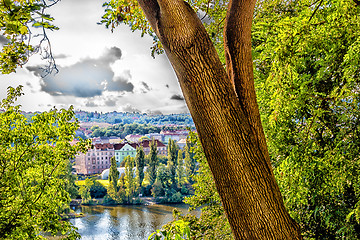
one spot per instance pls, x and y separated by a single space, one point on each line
226 114
237 35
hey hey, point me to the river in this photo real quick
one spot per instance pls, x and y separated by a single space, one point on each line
131 222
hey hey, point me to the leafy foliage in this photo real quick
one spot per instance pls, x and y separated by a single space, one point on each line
189 160
113 175
172 161
115 190
178 230
85 191
129 12
20 19
140 164
153 162
179 177
131 186
34 156
307 75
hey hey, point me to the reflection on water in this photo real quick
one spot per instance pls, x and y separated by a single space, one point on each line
123 222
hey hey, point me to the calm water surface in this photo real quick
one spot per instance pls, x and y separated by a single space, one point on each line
123 222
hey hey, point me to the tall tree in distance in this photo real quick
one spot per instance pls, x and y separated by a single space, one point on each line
172 161
113 176
223 105
180 169
153 162
140 164
129 179
189 163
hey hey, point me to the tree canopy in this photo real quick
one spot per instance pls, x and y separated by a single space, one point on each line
23 24
307 76
34 157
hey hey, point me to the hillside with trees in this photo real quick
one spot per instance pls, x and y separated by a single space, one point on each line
135 118
122 130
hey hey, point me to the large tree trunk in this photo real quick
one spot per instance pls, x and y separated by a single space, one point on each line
224 108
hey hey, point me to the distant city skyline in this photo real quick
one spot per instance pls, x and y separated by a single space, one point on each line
99 70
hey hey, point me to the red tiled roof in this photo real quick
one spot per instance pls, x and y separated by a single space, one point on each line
118 146
104 146
146 143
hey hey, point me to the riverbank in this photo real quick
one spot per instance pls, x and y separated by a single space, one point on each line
99 201
72 215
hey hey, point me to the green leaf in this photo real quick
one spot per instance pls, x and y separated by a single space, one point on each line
23 30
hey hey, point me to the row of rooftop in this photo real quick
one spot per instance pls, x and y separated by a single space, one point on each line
163 136
97 159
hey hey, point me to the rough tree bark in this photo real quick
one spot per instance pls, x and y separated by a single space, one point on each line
224 108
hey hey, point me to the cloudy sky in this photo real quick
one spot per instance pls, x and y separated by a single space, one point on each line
98 70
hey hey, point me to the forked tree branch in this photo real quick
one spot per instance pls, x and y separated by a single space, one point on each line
237 44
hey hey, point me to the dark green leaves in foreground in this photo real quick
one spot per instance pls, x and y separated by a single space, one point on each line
308 79
33 156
